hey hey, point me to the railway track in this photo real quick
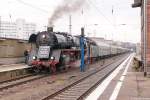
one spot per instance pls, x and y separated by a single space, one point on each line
20 81
79 89
28 75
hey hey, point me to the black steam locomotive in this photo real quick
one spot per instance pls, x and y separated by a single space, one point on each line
53 49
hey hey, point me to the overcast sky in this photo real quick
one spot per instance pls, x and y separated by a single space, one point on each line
123 24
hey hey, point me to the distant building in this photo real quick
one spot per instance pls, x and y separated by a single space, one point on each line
17 30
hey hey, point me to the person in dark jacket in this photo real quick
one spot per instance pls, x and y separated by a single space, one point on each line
26 54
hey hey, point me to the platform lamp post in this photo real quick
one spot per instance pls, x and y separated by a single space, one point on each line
95 29
119 25
82 39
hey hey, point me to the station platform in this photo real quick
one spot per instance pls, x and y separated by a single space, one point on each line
123 84
13 71
9 67
135 87
11 60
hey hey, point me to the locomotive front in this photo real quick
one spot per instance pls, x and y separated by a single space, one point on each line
45 42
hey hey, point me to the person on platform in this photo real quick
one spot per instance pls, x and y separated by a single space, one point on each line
26 54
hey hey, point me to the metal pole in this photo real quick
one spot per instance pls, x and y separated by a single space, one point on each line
70 25
82 66
88 52
145 36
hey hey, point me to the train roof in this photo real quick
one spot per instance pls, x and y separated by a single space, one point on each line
100 42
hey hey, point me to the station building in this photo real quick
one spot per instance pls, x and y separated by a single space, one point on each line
145 32
20 29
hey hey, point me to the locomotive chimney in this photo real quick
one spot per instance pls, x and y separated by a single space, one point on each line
50 29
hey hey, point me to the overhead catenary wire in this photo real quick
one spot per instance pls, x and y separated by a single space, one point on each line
45 11
32 6
99 12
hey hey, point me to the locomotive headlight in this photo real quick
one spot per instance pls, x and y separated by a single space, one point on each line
43 36
52 58
34 57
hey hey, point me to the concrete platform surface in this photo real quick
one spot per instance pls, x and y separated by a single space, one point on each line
10 67
4 61
135 87
126 85
13 71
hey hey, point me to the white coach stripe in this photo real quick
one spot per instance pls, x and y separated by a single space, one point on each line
100 89
119 84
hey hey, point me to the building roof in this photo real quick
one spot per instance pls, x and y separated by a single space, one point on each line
137 3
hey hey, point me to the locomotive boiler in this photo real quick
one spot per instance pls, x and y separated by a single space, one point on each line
54 39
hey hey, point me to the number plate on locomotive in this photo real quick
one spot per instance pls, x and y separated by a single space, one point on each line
44 51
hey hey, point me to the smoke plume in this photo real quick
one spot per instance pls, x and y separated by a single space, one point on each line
66 7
